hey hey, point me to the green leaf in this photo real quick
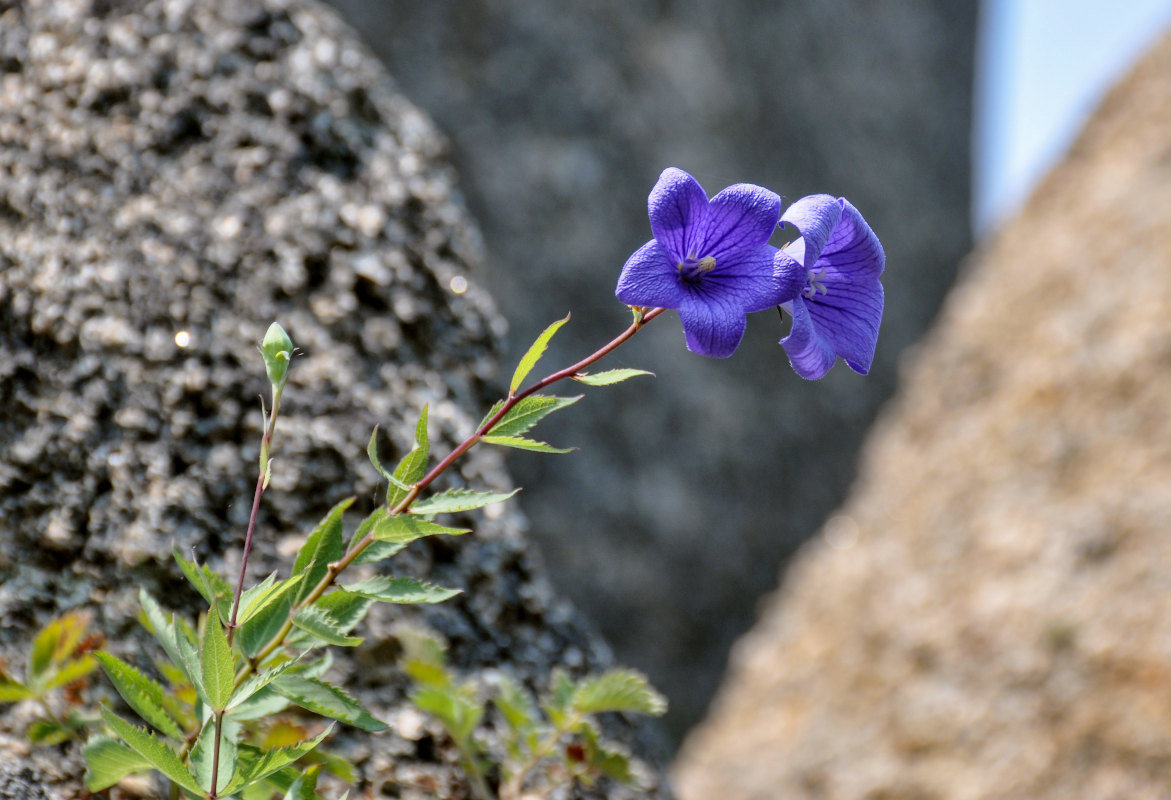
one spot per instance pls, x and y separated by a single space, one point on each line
255 600
160 756
455 706
372 454
402 528
109 761
12 690
71 671
516 706
219 673
454 500
400 590
173 641
413 466
141 693
534 355
203 755
329 701
254 634
45 732
53 645
323 547
346 610
256 764
526 413
256 682
322 626
265 703
521 443
305 787
617 690
210 586
609 376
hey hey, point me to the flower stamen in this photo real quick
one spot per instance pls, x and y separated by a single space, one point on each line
815 284
691 268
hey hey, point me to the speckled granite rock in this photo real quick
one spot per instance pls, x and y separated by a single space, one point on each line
207 167
989 616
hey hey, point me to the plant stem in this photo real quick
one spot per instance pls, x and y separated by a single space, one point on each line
641 317
215 754
515 784
265 449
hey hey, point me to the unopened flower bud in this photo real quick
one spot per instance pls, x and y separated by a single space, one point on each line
277 349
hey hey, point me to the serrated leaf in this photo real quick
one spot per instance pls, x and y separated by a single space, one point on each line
174 642
210 586
404 591
526 413
109 761
255 764
535 351
454 500
256 682
323 547
54 644
617 690
219 672
305 787
320 625
203 755
521 443
254 634
255 600
372 454
413 465
160 756
265 703
12 690
44 732
71 671
516 706
402 528
327 700
346 610
455 706
141 693
610 376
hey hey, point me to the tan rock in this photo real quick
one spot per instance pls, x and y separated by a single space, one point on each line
990 614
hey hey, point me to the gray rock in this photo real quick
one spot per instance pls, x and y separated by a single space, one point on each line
672 519
205 168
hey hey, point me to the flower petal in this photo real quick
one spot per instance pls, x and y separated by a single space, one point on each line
742 216
678 210
712 326
815 218
852 252
650 279
810 354
789 272
847 316
745 279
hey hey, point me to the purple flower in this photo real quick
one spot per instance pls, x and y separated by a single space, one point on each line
838 260
709 259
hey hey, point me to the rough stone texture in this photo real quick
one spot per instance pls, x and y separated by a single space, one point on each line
987 617
562 115
185 165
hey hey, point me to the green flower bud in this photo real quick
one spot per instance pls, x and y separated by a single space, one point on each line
277 349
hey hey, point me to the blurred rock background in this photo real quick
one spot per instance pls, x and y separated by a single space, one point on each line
988 615
690 489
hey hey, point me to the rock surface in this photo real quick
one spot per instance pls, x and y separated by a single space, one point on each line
987 617
203 168
561 116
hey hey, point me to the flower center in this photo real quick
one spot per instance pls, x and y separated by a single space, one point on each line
691 267
815 284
